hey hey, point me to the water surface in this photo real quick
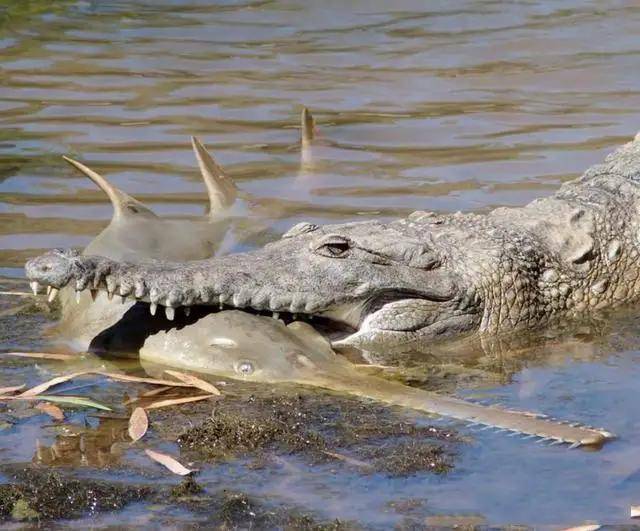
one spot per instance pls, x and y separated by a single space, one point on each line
451 106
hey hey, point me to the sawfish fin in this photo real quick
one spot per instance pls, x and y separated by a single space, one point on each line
123 204
307 127
221 189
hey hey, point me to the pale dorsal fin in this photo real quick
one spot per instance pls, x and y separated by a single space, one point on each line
307 127
221 189
123 204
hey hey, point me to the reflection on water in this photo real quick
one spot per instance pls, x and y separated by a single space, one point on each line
461 106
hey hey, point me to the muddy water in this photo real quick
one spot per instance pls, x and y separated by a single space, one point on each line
451 107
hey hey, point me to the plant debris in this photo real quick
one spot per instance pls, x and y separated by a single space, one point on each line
50 409
42 355
138 424
45 495
194 382
177 401
168 462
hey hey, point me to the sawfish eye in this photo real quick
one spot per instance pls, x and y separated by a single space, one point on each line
334 246
245 367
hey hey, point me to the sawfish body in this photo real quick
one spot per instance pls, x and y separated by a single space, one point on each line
255 348
135 233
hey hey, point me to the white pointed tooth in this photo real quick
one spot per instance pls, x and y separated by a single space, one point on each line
78 297
49 288
139 289
94 294
153 307
35 287
575 445
170 312
558 441
52 294
295 316
187 310
236 300
275 315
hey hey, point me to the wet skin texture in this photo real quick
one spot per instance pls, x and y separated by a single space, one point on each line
425 277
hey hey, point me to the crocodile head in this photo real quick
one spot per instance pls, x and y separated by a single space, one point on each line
375 280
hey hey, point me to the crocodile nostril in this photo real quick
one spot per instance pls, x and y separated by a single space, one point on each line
45 268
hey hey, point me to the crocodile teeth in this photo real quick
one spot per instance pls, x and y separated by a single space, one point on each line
52 294
170 312
575 445
94 294
78 297
153 307
187 310
275 315
35 287
139 290
49 288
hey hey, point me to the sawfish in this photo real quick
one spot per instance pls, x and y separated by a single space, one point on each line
243 346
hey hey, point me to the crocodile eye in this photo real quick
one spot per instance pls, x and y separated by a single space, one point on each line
334 246
245 368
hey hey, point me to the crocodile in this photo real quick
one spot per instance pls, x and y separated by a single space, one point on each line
426 277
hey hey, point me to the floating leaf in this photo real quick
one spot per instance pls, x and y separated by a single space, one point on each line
50 383
169 462
152 392
176 401
138 379
72 400
42 355
138 424
6 390
50 409
194 381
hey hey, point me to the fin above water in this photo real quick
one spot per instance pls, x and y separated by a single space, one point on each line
221 189
307 127
123 204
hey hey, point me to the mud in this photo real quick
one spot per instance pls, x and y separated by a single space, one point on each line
36 495
46 495
237 510
319 426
